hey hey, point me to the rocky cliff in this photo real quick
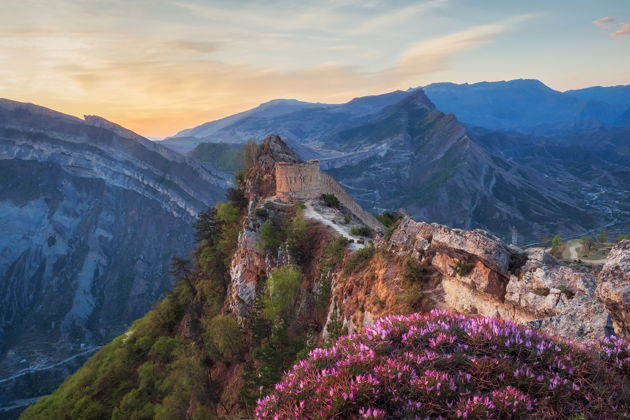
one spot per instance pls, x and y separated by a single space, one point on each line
90 215
274 279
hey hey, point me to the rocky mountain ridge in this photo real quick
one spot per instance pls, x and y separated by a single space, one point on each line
399 150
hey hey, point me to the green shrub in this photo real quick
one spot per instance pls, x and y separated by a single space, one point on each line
360 231
331 200
271 237
357 259
410 295
164 348
333 254
224 338
390 230
298 238
237 198
414 270
388 219
283 287
335 329
228 213
206 226
556 246
271 359
622 237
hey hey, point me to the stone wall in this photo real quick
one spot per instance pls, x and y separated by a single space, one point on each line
298 181
305 181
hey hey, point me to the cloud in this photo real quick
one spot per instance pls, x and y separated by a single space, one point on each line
603 21
158 70
197 46
624 31
396 17
432 55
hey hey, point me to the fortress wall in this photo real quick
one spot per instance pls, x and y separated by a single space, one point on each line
298 181
329 185
305 181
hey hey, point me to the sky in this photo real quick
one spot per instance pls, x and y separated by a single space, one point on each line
158 66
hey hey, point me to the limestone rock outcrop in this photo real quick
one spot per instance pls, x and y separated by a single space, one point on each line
480 274
614 287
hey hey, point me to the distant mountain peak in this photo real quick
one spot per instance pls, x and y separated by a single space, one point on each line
11 105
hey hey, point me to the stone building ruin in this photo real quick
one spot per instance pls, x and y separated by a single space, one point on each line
305 181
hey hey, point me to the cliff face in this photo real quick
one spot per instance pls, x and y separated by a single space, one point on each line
474 272
90 215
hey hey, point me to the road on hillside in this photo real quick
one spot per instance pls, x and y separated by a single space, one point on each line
574 254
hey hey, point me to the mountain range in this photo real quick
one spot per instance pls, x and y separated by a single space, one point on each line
90 215
516 158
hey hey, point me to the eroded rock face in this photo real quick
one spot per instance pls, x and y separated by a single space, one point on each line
260 181
614 287
247 267
480 274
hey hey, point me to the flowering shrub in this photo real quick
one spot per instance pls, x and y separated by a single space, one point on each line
443 365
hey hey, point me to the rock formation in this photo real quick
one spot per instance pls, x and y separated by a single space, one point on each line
305 181
614 287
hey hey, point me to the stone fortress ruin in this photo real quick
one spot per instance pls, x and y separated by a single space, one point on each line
305 181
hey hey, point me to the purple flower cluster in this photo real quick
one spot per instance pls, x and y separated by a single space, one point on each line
616 351
442 365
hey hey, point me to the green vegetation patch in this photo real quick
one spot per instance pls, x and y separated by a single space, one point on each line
283 287
461 268
361 231
331 200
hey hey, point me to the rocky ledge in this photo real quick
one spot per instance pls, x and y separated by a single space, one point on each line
481 274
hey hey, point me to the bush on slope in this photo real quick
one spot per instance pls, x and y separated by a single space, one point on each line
442 365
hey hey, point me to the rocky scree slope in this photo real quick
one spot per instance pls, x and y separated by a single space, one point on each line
90 215
267 284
